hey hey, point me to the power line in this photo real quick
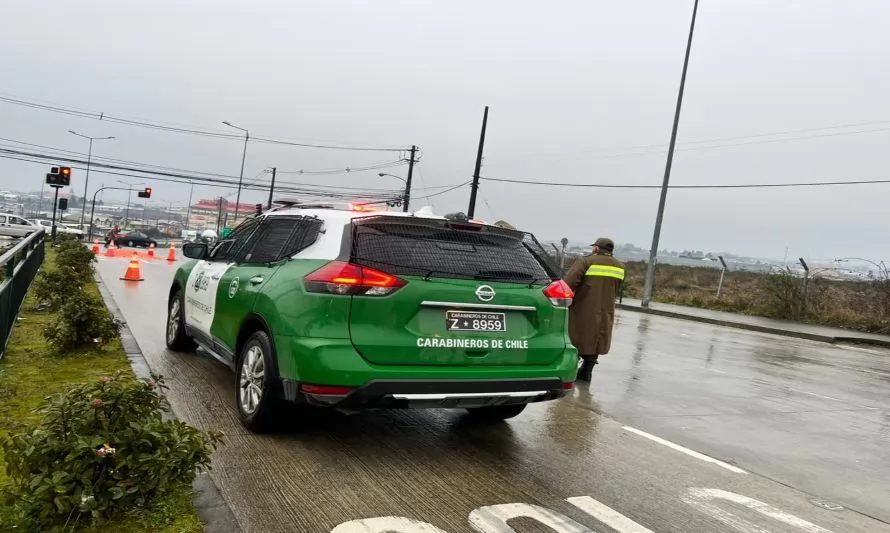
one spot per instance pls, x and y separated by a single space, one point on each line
125 161
713 186
464 184
101 116
336 192
346 170
377 166
647 149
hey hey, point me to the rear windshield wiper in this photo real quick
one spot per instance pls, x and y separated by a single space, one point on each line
506 275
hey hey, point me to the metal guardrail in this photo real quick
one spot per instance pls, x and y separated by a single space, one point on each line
18 267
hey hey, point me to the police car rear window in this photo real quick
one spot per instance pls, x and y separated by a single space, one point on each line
442 250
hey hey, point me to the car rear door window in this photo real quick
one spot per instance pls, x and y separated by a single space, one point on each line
442 249
279 237
227 250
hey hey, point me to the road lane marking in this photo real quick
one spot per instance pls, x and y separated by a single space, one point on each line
713 370
817 395
386 524
702 500
607 515
493 518
687 451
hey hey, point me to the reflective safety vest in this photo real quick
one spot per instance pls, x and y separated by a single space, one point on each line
605 271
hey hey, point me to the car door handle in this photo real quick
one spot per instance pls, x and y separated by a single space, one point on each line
256 280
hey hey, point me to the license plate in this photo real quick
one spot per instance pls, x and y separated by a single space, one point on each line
472 321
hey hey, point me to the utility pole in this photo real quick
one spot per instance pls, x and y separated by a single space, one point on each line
40 204
475 187
407 196
188 210
219 216
240 176
653 250
86 181
272 187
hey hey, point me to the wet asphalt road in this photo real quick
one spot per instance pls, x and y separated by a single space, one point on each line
802 427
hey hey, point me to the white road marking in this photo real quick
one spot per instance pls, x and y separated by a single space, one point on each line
386 524
702 499
687 451
607 515
493 518
815 394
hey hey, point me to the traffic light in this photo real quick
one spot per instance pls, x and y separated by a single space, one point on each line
146 193
259 209
59 176
63 204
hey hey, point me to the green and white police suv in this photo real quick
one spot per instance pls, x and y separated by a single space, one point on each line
348 307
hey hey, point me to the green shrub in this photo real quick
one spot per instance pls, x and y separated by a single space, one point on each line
52 287
78 257
101 449
81 320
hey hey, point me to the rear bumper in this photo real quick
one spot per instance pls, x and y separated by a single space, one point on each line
420 393
335 362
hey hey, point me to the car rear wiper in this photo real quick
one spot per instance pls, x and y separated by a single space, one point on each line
496 275
429 274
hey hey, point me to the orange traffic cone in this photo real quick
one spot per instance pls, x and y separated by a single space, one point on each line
171 255
96 247
151 250
110 252
133 271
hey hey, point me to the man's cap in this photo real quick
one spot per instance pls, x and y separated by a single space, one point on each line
604 243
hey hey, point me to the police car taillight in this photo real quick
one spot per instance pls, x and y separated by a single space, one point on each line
342 278
559 293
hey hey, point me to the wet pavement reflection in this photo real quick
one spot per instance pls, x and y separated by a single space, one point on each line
814 417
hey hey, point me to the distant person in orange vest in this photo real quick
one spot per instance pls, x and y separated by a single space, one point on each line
595 280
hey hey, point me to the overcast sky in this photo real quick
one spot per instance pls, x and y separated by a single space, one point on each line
571 86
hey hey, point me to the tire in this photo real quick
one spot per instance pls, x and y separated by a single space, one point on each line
496 413
177 340
257 393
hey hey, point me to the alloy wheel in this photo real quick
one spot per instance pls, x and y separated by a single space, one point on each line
253 370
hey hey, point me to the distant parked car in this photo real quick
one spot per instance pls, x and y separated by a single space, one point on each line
15 226
134 238
60 228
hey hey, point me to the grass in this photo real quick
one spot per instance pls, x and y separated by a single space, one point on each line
31 371
855 305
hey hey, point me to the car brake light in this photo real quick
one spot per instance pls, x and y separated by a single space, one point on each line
568 385
559 293
342 278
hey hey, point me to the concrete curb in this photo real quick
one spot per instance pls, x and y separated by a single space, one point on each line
758 328
210 506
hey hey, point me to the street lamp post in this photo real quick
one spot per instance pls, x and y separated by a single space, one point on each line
243 157
405 191
130 190
86 180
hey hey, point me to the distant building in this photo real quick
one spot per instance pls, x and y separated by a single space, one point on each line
210 213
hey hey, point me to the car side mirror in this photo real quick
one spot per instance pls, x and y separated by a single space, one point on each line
195 250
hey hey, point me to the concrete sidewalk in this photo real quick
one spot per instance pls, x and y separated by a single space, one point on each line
756 323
